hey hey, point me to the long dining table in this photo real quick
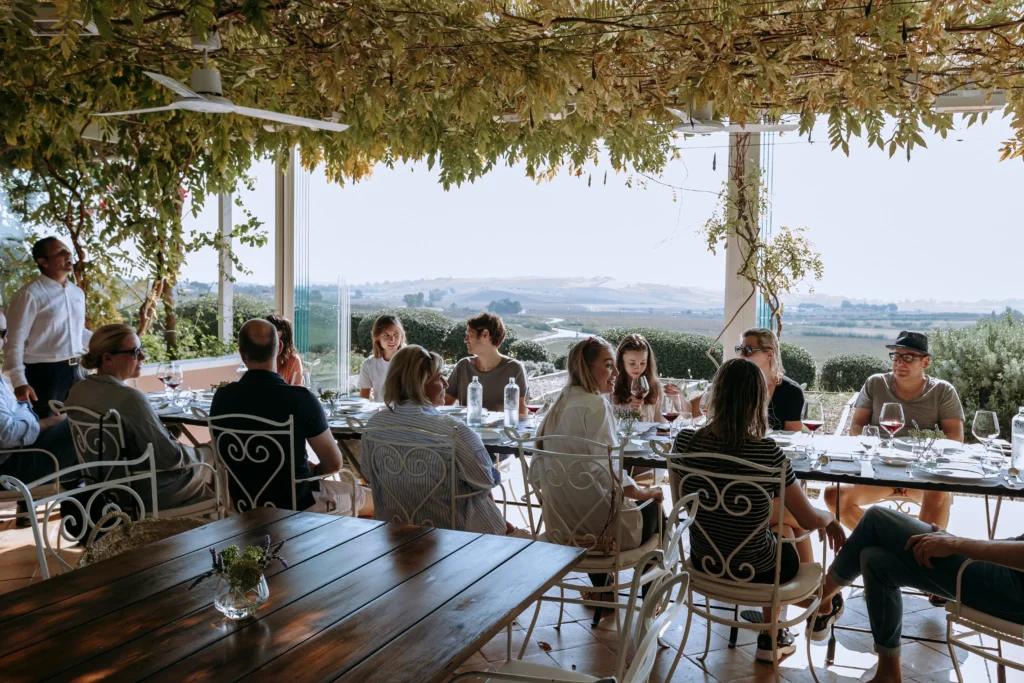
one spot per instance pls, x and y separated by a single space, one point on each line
360 601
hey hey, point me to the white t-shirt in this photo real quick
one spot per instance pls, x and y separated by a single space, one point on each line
372 375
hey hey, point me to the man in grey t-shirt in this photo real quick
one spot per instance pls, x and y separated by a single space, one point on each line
928 401
484 334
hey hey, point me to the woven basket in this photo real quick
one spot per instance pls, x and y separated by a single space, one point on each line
129 535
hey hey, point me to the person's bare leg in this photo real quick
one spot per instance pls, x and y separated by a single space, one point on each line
888 671
803 548
935 508
852 500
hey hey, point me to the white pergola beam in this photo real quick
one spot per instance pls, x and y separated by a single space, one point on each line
284 232
225 270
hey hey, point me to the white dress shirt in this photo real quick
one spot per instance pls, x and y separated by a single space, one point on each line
46 324
19 426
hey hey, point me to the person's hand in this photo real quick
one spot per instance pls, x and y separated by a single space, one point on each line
835 533
928 547
26 393
671 389
656 494
48 422
636 403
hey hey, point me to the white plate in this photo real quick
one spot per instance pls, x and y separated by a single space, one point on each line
896 459
488 435
905 443
956 471
636 446
780 439
451 410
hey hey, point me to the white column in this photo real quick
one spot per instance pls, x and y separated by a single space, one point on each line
744 159
225 270
284 232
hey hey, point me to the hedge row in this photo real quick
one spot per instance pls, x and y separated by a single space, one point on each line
847 372
680 354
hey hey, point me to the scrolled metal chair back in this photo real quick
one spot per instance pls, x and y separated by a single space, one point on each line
414 474
91 501
255 452
95 436
657 615
732 495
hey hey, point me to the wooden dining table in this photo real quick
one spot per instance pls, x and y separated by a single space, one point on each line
361 600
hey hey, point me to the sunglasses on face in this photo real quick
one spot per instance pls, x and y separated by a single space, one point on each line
3 334
905 358
747 351
136 352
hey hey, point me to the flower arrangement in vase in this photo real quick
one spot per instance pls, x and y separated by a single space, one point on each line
241 584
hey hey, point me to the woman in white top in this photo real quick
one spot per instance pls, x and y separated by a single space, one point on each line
388 337
582 410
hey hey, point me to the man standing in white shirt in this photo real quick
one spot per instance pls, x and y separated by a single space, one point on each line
47 332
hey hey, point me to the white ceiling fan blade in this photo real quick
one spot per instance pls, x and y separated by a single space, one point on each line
289 119
171 84
169 107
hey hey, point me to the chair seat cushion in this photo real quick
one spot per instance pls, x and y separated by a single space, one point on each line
971 615
597 563
803 584
543 672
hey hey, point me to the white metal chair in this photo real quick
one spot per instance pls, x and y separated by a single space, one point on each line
979 623
110 494
101 438
649 627
266 447
414 474
581 502
715 579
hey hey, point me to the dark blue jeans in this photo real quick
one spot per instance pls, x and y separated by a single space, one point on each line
876 551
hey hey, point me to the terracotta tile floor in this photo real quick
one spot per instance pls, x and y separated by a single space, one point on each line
577 646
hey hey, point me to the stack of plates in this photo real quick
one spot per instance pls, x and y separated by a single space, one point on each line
956 471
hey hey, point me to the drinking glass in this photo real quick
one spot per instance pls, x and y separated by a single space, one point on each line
669 409
869 439
891 419
175 377
163 373
985 427
705 404
183 399
534 400
813 417
639 387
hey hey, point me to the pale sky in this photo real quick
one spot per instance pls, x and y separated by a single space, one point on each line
945 225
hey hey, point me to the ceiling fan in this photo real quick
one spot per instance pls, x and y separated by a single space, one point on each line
206 96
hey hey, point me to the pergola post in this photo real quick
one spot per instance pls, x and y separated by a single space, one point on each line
225 270
284 232
740 298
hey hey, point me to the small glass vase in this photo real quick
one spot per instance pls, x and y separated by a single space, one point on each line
237 604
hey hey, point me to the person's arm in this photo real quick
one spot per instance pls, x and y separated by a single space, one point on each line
18 426
523 383
365 383
327 453
938 543
811 518
143 427
861 418
792 425
951 415
451 394
475 464
364 393
953 428
20 315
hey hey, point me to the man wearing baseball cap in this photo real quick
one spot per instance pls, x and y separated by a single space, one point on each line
927 401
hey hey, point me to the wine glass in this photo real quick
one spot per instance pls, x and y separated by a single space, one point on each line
891 419
813 417
534 399
163 372
985 427
870 437
174 378
639 387
669 409
705 404
183 399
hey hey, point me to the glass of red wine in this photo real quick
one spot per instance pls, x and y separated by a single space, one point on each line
534 401
174 378
639 388
891 420
813 417
670 411
163 373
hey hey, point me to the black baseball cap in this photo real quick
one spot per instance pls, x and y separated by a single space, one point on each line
912 341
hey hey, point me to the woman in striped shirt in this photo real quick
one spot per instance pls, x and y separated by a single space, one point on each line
736 426
413 387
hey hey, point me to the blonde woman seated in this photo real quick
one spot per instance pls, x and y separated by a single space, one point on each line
388 337
736 426
413 387
116 354
582 410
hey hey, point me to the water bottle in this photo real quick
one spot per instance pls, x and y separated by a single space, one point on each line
475 403
512 403
1017 443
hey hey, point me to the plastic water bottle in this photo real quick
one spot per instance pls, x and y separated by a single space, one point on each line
1017 441
512 403
475 403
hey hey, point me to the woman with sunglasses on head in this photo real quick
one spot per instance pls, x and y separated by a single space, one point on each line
761 347
116 354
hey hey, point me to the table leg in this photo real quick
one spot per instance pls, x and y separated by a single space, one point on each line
350 458
830 653
995 517
188 435
734 632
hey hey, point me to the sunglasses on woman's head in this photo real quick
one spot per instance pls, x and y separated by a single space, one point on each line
747 351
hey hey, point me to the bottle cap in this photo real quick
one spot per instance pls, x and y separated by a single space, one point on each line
475 378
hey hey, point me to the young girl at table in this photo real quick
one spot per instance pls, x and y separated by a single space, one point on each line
635 359
388 337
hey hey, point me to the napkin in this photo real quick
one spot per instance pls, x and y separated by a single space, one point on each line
866 470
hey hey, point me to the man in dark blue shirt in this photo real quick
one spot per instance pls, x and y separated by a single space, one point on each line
260 465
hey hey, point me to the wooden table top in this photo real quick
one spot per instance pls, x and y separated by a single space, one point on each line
361 601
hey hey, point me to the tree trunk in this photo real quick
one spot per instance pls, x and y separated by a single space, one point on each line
170 320
147 312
